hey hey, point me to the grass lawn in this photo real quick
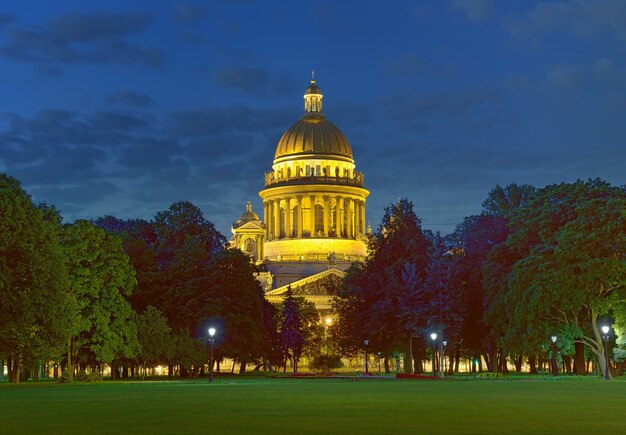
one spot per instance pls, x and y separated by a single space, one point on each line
294 406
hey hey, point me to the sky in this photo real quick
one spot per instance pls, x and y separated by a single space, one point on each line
122 108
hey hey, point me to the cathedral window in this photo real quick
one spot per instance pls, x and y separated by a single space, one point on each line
319 219
294 222
283 215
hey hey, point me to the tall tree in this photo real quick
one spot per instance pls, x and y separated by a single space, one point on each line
101 279
371 303
34 304
154 335
291 335
569 270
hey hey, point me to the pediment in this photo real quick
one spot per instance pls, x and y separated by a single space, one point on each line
314 285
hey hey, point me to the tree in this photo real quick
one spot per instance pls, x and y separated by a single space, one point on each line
474 239
442 304
503 201
291 336
371 303
154 335
100 279
568 266
34 305
233 296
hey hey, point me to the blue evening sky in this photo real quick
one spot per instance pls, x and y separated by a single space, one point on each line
123 107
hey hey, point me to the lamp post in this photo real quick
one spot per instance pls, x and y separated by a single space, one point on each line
211 342
433 337
443 357
605 338
379 355
366 342
555 368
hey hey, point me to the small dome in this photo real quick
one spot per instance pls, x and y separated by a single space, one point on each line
248 215
313 89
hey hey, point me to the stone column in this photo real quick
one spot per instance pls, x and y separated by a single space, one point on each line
288 218
312 215
326 215
300 215
363 217
276 219
350 231
340 206
265 219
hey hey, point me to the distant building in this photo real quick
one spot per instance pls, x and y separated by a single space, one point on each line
313 224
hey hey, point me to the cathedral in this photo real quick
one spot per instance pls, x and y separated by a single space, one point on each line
313 223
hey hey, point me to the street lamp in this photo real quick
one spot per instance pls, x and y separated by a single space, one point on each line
211 342
379 355
605 337
433 337
555 368
366 342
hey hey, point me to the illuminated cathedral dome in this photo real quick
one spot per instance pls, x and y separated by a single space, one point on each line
313 134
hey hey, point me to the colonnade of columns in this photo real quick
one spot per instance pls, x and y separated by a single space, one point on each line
337 216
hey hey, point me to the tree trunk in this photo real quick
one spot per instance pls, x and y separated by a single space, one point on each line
579 358
567 364
1 369
409 368
419 356
387 371
70 367
242 367
518 363
491 360
532 362
14 376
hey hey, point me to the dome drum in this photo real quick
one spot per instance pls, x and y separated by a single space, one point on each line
356 180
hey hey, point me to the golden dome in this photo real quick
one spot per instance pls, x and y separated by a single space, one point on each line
313 134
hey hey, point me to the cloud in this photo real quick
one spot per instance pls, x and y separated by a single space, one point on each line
565 75
6 19
254 81
406 64
407 107
101 38
187 13
475 10
212 120
603 68
581 18
130 99
130 164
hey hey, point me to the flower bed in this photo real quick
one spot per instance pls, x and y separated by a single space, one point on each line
410 376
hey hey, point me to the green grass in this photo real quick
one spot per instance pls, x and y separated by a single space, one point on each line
315 406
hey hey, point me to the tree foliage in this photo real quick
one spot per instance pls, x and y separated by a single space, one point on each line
101 279
34 304
563 266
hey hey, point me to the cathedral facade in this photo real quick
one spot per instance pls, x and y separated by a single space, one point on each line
314 222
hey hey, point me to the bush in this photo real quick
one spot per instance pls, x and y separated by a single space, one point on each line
81 377
325 363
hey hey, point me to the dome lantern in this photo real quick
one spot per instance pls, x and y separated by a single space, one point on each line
313 97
